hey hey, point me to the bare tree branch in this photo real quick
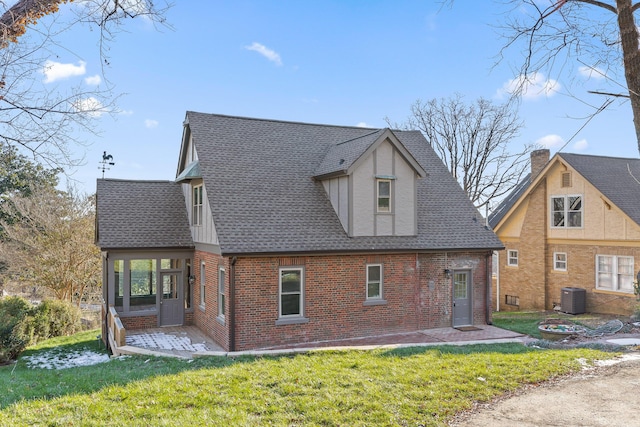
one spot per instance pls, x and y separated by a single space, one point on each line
473 141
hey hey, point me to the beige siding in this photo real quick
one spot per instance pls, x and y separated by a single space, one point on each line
601 220
363 199
337 190
405 200
205 233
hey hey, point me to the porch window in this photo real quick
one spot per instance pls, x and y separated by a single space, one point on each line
374 281
560 261
291 292
142 280
566 211
614 273
384 195
197 205
221 293
118 269
512 258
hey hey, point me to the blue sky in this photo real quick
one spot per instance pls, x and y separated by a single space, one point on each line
335 62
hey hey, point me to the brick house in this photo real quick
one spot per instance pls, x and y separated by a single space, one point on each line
574 222
278 233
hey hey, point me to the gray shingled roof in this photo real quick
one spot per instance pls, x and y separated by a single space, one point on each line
618 179
259 180
499 212
141 215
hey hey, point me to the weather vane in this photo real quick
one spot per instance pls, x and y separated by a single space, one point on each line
107 160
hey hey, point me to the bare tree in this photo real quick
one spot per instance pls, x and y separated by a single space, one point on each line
473 141
51 246
35 117
601 35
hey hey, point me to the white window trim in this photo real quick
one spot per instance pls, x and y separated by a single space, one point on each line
221 292
197 205
203 282
566 211
379 297
615 285
555 261
378 181
291 316
509 257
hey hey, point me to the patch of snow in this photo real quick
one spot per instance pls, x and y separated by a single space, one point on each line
625 341
623 358
56 359
164 341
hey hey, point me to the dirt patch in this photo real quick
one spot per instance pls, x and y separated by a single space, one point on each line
594 397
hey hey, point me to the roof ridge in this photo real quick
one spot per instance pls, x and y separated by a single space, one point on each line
282 121
597 156
137 180
361 136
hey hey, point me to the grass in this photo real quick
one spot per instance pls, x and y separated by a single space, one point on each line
412 386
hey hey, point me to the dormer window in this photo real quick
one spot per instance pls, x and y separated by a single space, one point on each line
197 205
384 195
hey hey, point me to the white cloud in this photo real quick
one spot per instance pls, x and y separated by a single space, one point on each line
150 124
93 80
362 125
58 71
271 55
551 141
530 87
581 145
90 106
592 72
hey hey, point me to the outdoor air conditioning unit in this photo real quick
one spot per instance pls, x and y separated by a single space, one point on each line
573 300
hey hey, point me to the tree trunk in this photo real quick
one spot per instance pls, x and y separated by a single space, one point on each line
631 55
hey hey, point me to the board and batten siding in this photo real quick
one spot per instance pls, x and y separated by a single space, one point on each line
205 233
337 190
385 161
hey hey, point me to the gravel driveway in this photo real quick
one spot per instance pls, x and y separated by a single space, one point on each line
602 396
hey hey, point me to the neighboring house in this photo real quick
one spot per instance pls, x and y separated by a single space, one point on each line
574 222
279 233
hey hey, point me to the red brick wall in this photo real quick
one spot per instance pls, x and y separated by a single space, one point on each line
139 322
206 318
417 292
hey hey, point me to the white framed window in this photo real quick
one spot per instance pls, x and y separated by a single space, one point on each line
384 195
512 258
202 284
566 211
614 273
291 292
374 281
221 292
197 205
560 261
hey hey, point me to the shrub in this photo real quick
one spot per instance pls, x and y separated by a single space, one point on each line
22 324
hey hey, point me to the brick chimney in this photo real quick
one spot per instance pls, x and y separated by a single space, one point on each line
539 159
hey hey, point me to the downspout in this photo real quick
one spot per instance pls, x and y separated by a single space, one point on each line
232 304
498 281
488 302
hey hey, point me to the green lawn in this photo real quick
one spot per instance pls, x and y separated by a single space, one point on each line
413 386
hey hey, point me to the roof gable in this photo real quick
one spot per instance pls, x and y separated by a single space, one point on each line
343 157
617 179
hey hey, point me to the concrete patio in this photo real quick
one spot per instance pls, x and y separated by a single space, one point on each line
189 341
